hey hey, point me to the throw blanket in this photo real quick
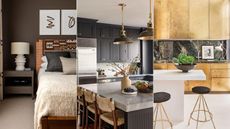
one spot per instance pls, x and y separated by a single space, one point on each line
56 96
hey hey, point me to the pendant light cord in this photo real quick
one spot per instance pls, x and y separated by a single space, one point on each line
122 16
150 12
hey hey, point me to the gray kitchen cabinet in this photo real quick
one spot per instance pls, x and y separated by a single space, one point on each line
1 55
124 53
115 49
86 28
104 49
134 50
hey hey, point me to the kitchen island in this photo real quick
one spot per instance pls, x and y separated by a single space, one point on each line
138 108
172 82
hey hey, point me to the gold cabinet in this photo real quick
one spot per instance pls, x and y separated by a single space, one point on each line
198 19
192 19
220 77
219 19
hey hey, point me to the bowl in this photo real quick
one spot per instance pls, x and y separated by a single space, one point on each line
185 67
144 86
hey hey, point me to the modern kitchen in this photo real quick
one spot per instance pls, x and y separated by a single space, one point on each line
155 63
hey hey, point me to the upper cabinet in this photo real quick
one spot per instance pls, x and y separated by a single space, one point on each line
192 19
86 28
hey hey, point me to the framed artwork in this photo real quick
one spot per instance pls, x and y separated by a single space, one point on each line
207 52
49 22
69 22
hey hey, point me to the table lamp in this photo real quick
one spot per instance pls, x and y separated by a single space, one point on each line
19 49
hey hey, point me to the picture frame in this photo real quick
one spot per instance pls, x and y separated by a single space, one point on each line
49 22
68 22
207 52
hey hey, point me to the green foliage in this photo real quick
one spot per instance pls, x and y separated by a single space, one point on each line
184 59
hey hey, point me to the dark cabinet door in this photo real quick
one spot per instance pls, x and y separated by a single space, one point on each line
106 31
115 55
124 53
105 49
134 50
86 29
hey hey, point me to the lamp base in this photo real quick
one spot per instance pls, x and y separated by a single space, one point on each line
20 61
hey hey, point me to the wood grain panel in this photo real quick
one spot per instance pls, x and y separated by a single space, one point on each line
199 19
171 66
178 20
219 19
161 19
220 84
160 66
220 66
221 73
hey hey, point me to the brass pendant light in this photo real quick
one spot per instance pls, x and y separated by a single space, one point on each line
148 33
123 39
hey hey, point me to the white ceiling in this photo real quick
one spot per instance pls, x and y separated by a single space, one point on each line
108 11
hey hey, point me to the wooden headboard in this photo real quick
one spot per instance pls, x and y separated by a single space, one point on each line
52 45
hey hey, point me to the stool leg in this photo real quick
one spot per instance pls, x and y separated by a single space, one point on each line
155 116
171 125
204 107
193 110
198 113
209 114
86 116
162 122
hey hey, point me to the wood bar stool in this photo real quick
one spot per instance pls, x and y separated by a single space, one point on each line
201 107
80 106
159 98
90 103
108 113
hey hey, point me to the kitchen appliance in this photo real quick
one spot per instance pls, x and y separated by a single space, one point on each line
87 60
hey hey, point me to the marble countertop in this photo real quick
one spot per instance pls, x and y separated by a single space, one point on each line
123 102
115 77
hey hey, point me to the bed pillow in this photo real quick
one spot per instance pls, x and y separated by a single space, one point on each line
44 59
68 65
73 54
54 62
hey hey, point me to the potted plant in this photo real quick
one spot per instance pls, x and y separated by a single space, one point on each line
184 62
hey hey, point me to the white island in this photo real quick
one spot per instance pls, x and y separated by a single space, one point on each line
172 82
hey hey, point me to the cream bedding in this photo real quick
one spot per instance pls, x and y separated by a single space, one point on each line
56 96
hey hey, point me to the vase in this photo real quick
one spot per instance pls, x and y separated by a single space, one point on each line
125 82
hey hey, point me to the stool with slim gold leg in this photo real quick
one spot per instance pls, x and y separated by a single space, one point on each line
159 98
80 106
201 107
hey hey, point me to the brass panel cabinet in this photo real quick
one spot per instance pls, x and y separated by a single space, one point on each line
217 76
192 19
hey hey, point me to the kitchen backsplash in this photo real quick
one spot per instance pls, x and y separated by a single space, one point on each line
108 69
166 50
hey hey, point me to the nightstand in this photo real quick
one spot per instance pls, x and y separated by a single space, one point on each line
19 82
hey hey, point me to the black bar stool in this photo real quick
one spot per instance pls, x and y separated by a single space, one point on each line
201 107
159 98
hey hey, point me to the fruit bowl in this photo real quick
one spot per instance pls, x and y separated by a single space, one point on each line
144 86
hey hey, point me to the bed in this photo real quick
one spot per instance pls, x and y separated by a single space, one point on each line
55 105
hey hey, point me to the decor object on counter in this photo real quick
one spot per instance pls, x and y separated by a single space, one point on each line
123 39
69 22
207 52
144 86
184 62
148 33
129 91
101 72
20 48
49 22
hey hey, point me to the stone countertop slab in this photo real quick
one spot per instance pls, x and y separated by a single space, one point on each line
127 103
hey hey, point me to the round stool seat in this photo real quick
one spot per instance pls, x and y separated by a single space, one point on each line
160 97
201 90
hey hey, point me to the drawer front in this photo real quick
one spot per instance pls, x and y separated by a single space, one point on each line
220 84
18 90
18 73
220 66
160 66
221 73
171 66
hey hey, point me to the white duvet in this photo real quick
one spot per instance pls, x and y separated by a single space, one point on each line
56 96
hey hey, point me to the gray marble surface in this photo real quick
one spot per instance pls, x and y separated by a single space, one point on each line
127 103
